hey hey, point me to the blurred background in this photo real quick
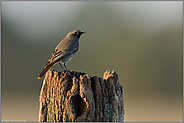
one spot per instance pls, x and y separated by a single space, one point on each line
141 41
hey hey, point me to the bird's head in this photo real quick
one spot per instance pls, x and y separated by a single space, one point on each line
75 33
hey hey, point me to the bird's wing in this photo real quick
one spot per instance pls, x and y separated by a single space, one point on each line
55 56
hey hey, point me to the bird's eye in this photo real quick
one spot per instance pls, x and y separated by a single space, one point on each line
75 33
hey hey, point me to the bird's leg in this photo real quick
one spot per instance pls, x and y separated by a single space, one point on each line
67 69
65 66
61 66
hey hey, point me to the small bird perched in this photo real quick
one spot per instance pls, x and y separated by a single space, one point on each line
64 51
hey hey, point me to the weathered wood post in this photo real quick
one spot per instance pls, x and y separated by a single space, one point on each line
81 98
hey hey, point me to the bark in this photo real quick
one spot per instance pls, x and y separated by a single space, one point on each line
80 97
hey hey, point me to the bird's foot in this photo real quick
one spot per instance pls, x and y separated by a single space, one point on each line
71 75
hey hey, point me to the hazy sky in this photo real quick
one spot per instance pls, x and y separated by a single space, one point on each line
48 15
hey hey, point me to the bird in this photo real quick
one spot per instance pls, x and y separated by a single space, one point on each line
64 51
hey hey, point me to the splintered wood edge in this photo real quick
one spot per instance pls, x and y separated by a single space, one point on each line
110 77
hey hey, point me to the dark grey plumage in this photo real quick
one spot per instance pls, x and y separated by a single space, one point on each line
64 51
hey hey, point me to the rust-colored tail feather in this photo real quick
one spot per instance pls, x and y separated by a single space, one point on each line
44 71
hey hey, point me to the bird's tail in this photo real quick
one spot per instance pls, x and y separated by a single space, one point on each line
45 70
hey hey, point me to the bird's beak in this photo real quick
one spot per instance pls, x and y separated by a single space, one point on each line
83 32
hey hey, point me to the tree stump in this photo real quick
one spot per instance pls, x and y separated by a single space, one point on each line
65 98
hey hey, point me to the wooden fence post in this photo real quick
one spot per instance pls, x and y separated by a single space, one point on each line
81 98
